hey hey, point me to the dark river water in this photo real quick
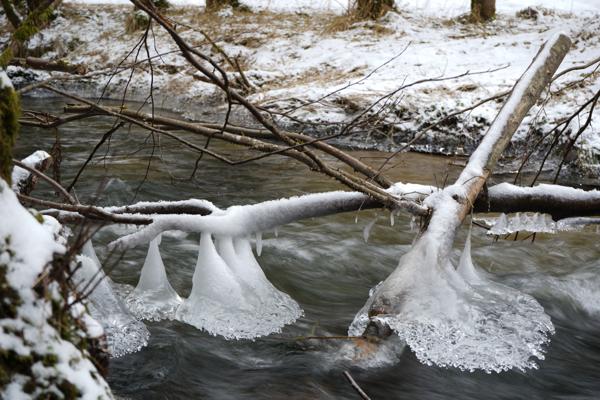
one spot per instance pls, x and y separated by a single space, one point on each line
328 268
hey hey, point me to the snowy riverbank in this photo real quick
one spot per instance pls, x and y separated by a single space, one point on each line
295 55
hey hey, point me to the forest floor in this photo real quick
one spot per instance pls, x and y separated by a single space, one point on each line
313 62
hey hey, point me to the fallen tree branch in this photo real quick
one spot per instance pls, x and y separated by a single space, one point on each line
216 131
355 386
451 205
25 174
46 65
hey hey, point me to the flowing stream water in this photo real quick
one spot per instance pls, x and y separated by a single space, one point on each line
326 266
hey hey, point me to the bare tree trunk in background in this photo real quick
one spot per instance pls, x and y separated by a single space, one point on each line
10 13
373 9
483 10
216 4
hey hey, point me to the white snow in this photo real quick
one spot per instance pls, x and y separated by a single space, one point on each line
20 175
543 190
292 60
26 248
4 80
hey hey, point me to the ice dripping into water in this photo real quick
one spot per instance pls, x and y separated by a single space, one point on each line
124 333
216 303
275 308
231 297
458 318
153 298
258 243
528 222
367 230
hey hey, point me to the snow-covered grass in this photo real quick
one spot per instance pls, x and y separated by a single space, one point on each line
293 53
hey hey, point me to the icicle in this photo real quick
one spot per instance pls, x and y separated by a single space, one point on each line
367 230
500 227
124 333
217 303
258 243
276 232
392 218
466 269
153 298
413 224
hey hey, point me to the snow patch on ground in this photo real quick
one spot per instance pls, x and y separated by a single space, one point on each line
295 59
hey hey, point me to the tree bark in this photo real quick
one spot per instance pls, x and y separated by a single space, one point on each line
11 14
483 10
212 5
45 65
373 9
9 125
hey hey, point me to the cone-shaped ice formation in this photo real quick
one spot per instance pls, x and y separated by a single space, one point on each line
153 298
466 269
124 333
273 308
89 251
216 303
459 318
233 298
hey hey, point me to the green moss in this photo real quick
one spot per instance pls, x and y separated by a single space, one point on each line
29 27
161 4
9 129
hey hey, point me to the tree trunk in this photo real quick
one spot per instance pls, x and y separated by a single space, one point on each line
483 10
373 9
9 125
454 202
216 4
11 14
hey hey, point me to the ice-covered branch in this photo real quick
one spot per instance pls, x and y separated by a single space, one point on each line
23 178
243 220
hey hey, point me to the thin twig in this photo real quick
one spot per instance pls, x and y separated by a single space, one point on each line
355 386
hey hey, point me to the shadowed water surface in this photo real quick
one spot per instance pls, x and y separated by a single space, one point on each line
325 265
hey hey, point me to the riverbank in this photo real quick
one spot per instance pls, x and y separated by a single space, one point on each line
315 62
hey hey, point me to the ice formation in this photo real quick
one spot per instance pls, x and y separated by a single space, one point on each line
231 296
367 229
258 243
153 298
456 317
124 333
535 222
528 222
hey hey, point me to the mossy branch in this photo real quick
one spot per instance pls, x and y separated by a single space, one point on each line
35 21
9 128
